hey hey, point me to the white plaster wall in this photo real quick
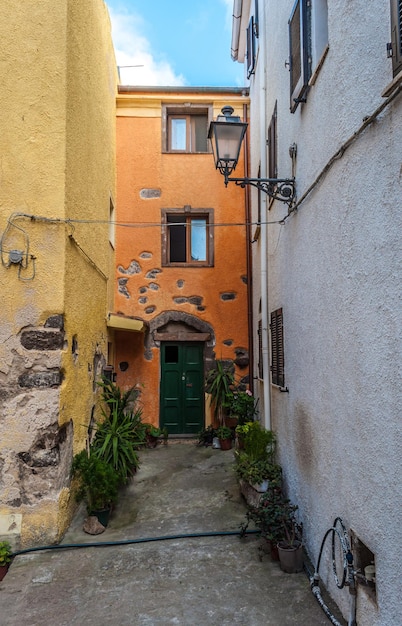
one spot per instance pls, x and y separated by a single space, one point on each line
335 268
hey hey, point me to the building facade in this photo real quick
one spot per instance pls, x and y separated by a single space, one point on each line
181 296
57 142
326 109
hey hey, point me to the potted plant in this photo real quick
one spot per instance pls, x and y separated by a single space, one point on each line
257 472
259 443
206 436
241 431
290 546
5 558
116 440
224 433
242 405
275 518
218 384
152 434
98 484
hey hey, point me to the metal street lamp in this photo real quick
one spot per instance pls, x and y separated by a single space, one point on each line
226 135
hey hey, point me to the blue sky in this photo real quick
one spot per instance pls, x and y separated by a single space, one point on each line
179 42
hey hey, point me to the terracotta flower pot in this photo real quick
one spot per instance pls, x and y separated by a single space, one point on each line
226 444
3 571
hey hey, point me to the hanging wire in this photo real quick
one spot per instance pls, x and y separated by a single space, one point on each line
71 222
369 119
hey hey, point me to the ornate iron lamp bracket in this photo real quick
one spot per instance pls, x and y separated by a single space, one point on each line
282 189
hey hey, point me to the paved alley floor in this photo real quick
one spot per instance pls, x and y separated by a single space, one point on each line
200 581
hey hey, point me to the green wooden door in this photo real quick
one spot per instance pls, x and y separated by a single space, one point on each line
182 387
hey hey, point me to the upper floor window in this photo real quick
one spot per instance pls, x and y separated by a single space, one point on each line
185 128
396 36
308 44
187 237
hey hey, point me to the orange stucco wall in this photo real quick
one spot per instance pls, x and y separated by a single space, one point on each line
183 179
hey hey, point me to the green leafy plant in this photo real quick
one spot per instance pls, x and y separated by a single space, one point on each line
206 435
98 482
154 431
275 516
259 443
256 471
5 553
243 405
218 383
116 441
115 398
224 432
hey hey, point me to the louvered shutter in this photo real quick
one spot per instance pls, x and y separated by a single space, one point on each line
272 149
396 35
250 48
260 361
277 353
299 65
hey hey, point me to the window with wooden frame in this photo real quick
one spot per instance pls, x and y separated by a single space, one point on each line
308 46
396 36
187 237
185 128
277 352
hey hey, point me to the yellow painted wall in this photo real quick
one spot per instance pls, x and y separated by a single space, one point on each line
57 147
184 179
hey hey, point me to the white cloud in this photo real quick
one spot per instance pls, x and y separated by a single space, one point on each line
133 49
229 13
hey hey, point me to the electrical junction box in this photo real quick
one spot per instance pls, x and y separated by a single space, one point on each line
15 256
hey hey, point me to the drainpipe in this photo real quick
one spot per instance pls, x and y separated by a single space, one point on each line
249 259
264 233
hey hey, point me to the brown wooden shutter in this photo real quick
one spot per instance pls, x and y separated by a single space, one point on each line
277 353
260 361
250 48
396 35
272 148
299 64
256 20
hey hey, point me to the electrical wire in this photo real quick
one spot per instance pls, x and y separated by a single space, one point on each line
340 152
70 221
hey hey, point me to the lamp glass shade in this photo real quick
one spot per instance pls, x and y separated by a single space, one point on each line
226 138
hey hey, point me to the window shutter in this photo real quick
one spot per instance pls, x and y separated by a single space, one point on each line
250 48
260 361
396 35
271 145
299 53
277 353
256 20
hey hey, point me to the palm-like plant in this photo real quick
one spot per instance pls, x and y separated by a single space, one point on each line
219 382
116 441
115 397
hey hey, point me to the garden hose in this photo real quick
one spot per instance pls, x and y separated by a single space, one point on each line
337 530
125 542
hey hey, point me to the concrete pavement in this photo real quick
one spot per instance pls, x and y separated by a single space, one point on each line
199 581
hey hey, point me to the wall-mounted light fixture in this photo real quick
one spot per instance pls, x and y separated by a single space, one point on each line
226 135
